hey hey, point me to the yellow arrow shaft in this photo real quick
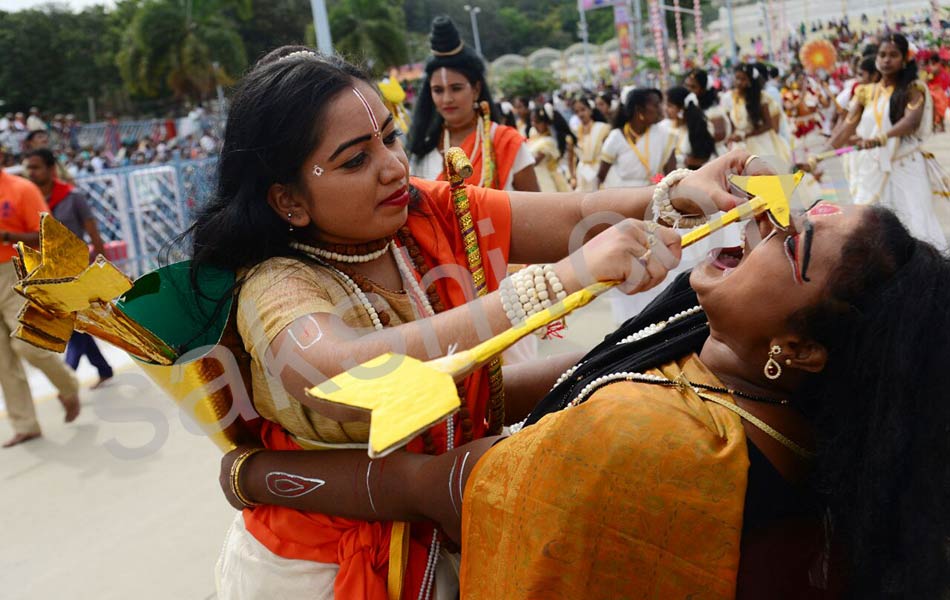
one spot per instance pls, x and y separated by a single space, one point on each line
505 339
463 362
755 206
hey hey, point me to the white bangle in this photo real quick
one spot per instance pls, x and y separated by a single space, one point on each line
554 282
663 209
529 291
510 303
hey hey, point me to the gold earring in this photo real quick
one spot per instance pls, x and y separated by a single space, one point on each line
772 369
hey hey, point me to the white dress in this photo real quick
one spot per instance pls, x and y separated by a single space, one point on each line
588 149
767 144
635 165
901 176
547 171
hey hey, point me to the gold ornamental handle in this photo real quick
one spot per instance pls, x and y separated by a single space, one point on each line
460 167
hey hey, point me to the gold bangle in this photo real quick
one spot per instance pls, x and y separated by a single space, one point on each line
236 476
882 139
749 160
912 106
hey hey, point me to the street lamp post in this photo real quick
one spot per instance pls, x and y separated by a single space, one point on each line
582 29
473 13
321 26
733 54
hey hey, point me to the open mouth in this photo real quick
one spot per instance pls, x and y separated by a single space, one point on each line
726 259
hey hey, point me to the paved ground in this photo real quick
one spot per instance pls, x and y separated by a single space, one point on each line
124 502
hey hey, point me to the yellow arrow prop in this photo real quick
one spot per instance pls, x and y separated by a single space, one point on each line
770 193
402 396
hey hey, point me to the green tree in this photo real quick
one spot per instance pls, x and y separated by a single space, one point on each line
55 59
527 83
171 47
370 31
275 23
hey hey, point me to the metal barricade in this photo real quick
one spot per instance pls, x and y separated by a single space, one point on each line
149 207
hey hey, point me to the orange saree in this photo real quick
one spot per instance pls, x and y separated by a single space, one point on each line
505 141
636 493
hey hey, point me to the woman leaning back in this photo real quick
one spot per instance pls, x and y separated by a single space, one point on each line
315 208
448 114
772 427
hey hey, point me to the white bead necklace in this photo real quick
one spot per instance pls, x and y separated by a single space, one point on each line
636 337
344 258
409 277
611 377
658 327
428 578
367 305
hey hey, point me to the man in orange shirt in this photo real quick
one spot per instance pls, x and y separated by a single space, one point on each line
20 206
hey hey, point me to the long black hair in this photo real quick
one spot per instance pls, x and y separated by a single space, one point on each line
904 79
701 142
271 128
425 132
753 94
556 123
633 103
708 96
880 406
881 409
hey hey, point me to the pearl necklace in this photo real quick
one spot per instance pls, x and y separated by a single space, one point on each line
636 337
344 258
364 301
409 278
432 561
658 327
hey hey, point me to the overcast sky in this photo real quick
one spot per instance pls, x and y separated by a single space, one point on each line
15 5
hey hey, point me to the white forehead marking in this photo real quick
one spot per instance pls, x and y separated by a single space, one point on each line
372 117
445 76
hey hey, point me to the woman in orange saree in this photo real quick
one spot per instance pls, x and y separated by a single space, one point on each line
455 108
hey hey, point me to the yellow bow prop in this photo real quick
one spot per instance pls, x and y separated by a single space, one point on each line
65 292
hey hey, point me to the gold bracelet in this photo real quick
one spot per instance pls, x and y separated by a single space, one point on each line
236 476
882 139
749 160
